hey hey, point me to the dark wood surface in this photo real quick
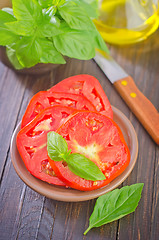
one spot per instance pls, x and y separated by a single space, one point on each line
25 214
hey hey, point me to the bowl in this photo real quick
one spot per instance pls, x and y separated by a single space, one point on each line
71 195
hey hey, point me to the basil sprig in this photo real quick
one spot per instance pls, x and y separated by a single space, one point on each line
37 31
80 165
115 205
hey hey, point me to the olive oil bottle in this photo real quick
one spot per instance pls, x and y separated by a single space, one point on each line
127 21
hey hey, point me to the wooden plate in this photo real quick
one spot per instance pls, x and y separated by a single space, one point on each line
72 195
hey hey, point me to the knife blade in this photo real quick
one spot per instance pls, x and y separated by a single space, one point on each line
143 109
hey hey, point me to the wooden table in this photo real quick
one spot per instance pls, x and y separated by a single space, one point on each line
25 214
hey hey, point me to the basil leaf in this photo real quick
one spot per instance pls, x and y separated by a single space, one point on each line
6 17
59 2
75 17
50 12
48 3
65 22
115 205
50 25
28 51
48 30
27 10
99 42
13 58
50 54
84 167
22 27
8 10
90 7
45 3
56 146
80 165
75 43
6 35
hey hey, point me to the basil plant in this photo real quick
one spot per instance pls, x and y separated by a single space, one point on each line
44 31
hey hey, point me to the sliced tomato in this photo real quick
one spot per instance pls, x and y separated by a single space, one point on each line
99 139
32 142
45 99
89 87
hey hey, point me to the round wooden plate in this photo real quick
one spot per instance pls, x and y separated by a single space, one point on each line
72 195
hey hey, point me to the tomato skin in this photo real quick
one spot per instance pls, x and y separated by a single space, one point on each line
45 99
89 87
106 143
32 142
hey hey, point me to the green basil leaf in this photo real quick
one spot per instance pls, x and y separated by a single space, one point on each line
50 24
27 10
6 17
6 35
59 3
99 42
8 10
49 12
22 27
45 3
75 43
28 51
48 3
115 205
90 7
49 53
11 53
48 29
56 146
84 167
80 165
75 17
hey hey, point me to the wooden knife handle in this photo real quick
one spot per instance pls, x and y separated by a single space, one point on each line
140 106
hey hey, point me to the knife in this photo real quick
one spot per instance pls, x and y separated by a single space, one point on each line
137 102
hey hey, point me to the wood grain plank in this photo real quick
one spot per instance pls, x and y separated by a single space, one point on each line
70 220
11 97
34 84
3 70
63 212
30 215
11 198
11 203
141 173
144 169
10 206
47 219
155 200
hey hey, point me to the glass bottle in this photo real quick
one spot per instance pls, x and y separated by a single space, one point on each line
127 21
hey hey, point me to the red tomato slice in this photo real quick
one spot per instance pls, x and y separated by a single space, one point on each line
45 99
89 87
32 142
99 139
